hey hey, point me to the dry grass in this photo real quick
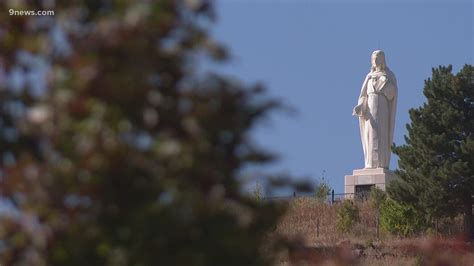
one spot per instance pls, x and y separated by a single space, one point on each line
313 224
303 217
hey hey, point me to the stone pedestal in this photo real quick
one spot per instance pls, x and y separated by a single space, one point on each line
377 177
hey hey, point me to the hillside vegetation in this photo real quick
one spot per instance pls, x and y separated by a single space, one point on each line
313 226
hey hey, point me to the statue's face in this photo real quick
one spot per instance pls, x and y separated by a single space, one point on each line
377 60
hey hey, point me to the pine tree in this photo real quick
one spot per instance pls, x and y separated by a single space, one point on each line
436 166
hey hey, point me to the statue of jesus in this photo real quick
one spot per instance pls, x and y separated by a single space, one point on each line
376 111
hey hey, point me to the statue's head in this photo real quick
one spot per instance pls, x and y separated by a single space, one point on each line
378 60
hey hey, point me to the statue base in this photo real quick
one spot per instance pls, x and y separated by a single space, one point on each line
363 180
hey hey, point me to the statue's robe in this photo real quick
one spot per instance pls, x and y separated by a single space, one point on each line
379 102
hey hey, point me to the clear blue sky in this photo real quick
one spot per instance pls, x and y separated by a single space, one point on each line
314 56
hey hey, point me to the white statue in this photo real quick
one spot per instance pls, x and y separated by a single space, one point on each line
376 111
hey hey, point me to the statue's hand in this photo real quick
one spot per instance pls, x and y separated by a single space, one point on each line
357 110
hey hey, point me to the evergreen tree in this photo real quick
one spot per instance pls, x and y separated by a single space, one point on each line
436 166
133 156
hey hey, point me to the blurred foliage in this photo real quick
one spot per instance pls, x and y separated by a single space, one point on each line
347 215
130 155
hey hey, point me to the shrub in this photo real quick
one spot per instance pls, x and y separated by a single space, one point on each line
400 219
322 190
347 216
257 192
377 198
